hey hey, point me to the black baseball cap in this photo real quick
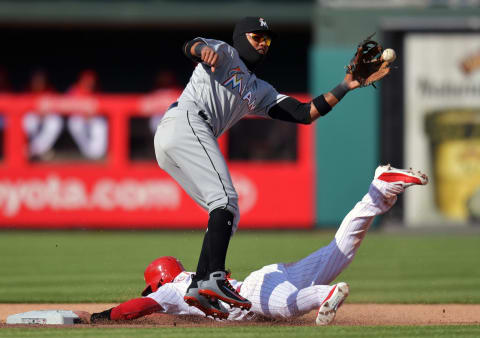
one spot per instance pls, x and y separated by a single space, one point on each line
251 24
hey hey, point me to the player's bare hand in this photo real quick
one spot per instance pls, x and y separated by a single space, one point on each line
352 84
209 57
83 316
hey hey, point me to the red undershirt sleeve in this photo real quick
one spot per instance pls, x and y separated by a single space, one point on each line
135 308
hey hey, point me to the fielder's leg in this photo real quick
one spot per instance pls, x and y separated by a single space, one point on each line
187 149
222 200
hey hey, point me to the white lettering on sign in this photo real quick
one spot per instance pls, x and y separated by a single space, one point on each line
83 105
71 194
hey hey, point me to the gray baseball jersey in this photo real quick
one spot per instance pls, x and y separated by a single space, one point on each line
229 93
186 139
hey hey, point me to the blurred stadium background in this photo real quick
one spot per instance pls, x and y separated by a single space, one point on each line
84 82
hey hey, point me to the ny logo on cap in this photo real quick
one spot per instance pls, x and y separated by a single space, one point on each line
263 23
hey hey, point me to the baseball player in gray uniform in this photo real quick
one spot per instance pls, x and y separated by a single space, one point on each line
222 89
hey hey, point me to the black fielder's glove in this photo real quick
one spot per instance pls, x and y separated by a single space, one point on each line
367 65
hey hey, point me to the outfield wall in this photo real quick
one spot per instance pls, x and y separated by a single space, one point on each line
371 126
117 192
346 139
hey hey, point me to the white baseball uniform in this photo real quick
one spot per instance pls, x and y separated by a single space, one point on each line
90 134
287 290
43 131
186 139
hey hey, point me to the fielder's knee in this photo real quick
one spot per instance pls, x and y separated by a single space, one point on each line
236 217
162 145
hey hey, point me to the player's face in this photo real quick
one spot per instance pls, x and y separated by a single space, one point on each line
259 41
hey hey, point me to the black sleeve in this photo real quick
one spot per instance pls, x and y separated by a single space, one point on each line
291 110
322 105
187 46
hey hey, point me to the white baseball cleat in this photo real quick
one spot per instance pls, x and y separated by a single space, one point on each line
402 177
328 309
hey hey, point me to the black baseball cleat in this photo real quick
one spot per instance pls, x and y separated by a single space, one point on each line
211 307
218 287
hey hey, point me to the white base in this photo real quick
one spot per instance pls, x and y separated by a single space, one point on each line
44 317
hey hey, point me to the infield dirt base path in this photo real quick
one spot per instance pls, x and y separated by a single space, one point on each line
349 314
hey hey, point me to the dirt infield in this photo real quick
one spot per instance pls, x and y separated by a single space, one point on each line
349 314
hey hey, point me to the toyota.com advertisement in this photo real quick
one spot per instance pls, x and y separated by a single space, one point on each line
117 192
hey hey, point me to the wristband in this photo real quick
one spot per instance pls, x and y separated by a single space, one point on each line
340 90
198 49
187 46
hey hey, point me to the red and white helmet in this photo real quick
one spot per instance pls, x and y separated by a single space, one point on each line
160 271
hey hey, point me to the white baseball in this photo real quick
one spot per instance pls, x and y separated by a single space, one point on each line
389 55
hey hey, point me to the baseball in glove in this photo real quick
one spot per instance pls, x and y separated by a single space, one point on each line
367 65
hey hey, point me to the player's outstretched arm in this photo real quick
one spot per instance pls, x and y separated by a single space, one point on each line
322 104
132 309
292 110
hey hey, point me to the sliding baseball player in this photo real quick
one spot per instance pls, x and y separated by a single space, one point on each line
283 290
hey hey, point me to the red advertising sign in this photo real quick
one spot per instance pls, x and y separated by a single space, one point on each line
118 193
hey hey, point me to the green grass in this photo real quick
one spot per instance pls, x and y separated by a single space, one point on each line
104 266
250 331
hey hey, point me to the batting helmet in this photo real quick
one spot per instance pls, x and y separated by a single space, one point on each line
160 271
